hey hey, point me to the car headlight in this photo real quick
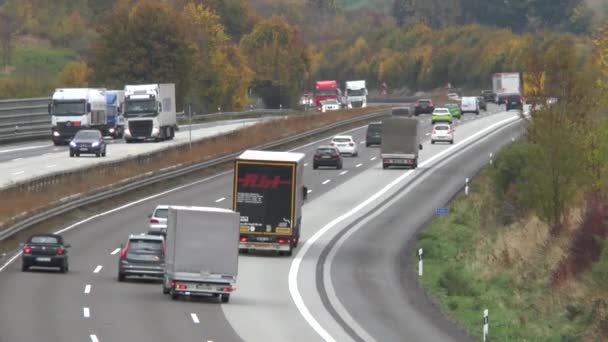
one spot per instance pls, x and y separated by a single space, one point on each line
72 143
127 131
111 130
95 144
56 134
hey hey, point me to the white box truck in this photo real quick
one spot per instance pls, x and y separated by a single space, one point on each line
356 94
506 83
73 109
202 249
149 112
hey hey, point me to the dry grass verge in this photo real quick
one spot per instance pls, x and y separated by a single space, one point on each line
23 201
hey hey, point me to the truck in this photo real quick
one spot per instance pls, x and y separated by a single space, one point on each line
115 123
201 256
506 83
149 112
326 90
73 109
400 146
355 94
268 194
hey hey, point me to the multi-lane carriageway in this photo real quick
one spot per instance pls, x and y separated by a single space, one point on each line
348 280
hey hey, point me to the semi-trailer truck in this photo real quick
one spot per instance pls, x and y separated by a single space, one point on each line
400 145
201 257
73 109
268 194
116 124
356 94
326 90
149 112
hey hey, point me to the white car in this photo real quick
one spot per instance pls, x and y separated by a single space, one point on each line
442 132
345 145
158 220
330 105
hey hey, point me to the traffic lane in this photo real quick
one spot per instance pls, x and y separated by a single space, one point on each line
373 187
265 293
374 274
92 251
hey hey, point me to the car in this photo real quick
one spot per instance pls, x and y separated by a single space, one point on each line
331 104
373 136
489 95
514 101
345 144
469 104
327 156
442 132
143 256
501 98
454 110
88 141
158 220
45 250
424 106
401 111
441 114
453 96
483 105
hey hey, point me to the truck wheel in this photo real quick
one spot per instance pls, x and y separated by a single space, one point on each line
451 142
165 290
173 294
128 141
315 166
171 133
289 252
384 166
224 298
121 276
243 250
71 154
432 142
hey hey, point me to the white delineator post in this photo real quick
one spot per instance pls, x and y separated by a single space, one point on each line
466 186
486 325
420 262
491 158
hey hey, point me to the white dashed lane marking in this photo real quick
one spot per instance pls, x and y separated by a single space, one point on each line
86 312
97 269
343 172
87 289
115 251
373 158
326 181
358 165
194 318
220 200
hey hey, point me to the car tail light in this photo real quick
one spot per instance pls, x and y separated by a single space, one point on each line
283 241
244 239
351 144
153 220
164 248
449 131
123 254
181 286
60 251
229 289
332 144
417 105
27 250
434 132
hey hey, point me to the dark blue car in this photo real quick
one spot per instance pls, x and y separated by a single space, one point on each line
88 142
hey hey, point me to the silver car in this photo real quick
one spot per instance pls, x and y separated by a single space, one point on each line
143 256
158 220
442 132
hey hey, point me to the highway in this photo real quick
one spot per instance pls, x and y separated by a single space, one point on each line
88 304
28 160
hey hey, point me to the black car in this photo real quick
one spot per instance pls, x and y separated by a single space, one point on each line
514 101
88 141
501 98
374 134
488 95
327 156
482 103
143 256
45 250
424 106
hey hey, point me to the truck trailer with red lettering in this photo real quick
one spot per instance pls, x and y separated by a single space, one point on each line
326 90
268 194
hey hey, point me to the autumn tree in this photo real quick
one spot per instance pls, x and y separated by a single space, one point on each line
279 60
74 75
8 30
234 15
220 76
404 12
144 44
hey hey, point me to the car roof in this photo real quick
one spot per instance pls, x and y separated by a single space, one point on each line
442 108
278 156
57 236
343 137
146 237
425 100
375 123
162 206
326 146
442 124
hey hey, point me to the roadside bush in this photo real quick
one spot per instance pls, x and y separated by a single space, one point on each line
456 283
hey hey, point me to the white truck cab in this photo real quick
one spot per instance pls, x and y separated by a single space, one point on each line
356 94
149 112
73 109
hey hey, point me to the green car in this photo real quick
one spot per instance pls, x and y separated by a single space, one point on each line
454 110
441 115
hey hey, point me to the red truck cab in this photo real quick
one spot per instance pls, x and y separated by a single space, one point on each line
326 90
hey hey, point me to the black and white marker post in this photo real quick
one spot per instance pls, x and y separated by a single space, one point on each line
491 156
466 186
486 325
420 262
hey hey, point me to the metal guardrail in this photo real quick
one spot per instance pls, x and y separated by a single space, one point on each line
150 178
28 119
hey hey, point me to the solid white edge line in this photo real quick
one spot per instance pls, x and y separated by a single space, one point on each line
86 312
194 318
87 289
358 165
115 251
24 148
18 173
141 200
343 172
94 338
309 191
220 199
297 261
97 269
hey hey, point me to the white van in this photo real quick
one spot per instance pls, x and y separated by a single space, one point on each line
469 104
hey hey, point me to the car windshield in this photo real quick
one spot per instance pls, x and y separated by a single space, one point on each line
147 106
68 108
442 128
44 239
513 97
161 213
356 92
88 135
325 150
341 140
441 111
327 92
424 102
374 128
145 246
329 102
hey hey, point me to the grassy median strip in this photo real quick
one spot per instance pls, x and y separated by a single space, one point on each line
19 202
473 263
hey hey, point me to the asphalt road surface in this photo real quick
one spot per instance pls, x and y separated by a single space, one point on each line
88 303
